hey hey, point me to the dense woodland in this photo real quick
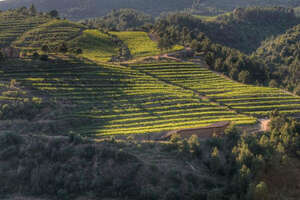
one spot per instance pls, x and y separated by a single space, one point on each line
228 40
121 20
66 167
281 55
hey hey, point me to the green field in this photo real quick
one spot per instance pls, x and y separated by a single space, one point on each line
140 44
53 33
13 25
120 100
245 99
139 98
95 45
149 98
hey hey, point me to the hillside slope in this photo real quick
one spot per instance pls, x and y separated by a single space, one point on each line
14 23
243 29
77 9
118 100
213 7
140 44
96 45
52 34
282 55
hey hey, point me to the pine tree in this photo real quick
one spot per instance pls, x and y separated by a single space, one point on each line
32 10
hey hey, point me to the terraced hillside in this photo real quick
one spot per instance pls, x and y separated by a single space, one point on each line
95 45
53 33
13 24
140 44
244 99
120 100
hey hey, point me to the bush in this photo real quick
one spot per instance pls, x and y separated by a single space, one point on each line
194 145
53 13
273 83
63 48
297 90
45 48
44 57
261 191
244 77
172 194
35 55
10 139
175 138
79 51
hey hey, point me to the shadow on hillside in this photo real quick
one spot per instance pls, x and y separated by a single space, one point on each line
81 93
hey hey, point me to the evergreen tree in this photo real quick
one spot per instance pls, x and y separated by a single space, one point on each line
63 48
53 13
32 10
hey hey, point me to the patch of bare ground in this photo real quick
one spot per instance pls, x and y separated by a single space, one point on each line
264 124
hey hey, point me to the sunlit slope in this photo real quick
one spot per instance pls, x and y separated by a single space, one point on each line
140 44
119 100
53 34
95 45
13 24
245 99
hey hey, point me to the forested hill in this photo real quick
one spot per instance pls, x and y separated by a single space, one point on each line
79 9
213 7
243 29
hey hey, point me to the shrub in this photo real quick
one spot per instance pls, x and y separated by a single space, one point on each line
175 138
194 145
273 83
261 191
53 13
297 90
172 194
215 194
244 77
79 51
44 57
35 55
9 139
45 48
63 48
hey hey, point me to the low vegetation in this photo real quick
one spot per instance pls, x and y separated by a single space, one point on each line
297 11
281 54
96 45
243 29
16 22
83 117
140 44
262 67
122 20
245 99
219 168
17 103
51 34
